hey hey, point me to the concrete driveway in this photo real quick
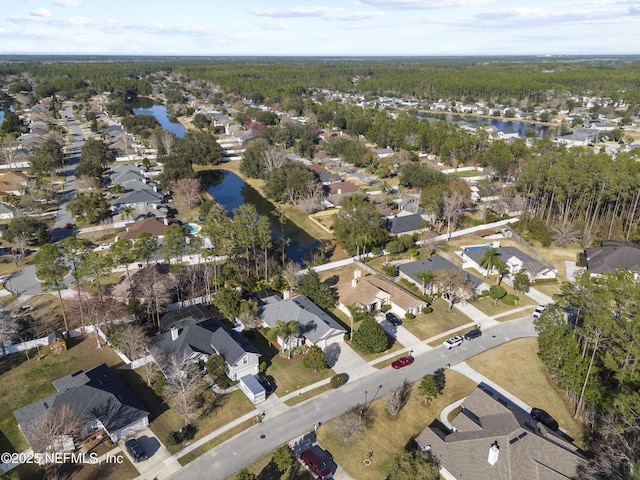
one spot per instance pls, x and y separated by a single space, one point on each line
159 464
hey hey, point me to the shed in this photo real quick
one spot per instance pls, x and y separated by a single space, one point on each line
253 389
57 343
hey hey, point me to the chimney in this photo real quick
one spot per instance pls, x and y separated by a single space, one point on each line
166 221
356 275
175 332
285 294
494 452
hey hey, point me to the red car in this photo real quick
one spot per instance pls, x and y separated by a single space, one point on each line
402 362
69 226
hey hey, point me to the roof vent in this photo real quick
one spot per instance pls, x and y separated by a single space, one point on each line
494 452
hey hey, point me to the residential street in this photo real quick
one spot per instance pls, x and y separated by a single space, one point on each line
242 450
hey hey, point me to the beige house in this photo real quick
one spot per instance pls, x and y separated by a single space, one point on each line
371 292
492 439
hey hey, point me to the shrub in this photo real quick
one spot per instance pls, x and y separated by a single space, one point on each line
159 383
395 246
427 310
409 316
511 299
175 437
385 308
370 337
390 270
262 367
346 337
338 380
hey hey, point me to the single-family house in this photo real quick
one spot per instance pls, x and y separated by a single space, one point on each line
316 326
407 223
7 211
493 439
384 152
412 272
611 258
195 343
13 183
97 399
514 258
152 225
371 292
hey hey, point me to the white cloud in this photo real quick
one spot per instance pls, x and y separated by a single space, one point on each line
41 12
274 26
67 3
326 13
422 4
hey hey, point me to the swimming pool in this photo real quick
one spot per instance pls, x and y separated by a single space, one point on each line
478 247
192 228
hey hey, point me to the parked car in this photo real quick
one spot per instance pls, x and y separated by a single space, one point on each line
316 464
393 319
21 251
266 384
69 226
452 342
402 362
471 334
538 311
136 451
544 418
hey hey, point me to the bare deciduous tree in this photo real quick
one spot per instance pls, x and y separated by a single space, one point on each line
153 288
311 201
352 423
130 339
454 286
565 234
397 398
47 432
86 183
272 158
168 141
184 383
6 328
452 203
291 275
430 242
534 269
188 189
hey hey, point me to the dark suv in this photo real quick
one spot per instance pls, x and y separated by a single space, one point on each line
135 450
471 334
544 418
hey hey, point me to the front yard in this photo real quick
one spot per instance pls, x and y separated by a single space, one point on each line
23 382
385 438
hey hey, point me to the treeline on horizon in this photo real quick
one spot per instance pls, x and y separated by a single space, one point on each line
497 79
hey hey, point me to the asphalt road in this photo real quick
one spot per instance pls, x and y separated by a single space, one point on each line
227 459
24 281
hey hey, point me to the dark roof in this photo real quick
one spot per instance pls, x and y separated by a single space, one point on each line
611 259
526 449
185 316
95 394
505 254
406 223
55 334
433 264
206 337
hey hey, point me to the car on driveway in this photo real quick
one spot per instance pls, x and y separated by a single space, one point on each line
471 334
69 226
402 362
452 342
538 311
544 418
393 319
316 464
138 454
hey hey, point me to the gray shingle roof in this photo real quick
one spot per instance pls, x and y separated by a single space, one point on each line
95 394
611 259
527 450
406 223
187 315
505 254
433 264
317 324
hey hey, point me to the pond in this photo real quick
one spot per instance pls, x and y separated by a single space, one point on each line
159 112
231 191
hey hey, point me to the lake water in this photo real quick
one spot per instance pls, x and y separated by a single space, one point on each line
1 116
505 126
231 191
159 112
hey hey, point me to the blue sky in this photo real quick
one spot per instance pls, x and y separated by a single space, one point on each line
320 27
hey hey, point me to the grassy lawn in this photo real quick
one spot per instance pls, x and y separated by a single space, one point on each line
102 236
8 266
23 382
213 413
436 322
486 304
265 469
287 375
385 438
516 367
307 395
105 471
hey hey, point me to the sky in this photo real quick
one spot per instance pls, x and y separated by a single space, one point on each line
320 27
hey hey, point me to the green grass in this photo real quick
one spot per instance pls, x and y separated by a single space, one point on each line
265 469
516 367
307 395
436 322
104 471
385 438
486 304
287 375
23 382
214 413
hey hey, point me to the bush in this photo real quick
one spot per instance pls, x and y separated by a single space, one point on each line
370 337
390 270
159 383
346 337
511 299
338 380
546 280
427 310
175 437
262 367
395 246
385 308
409 316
